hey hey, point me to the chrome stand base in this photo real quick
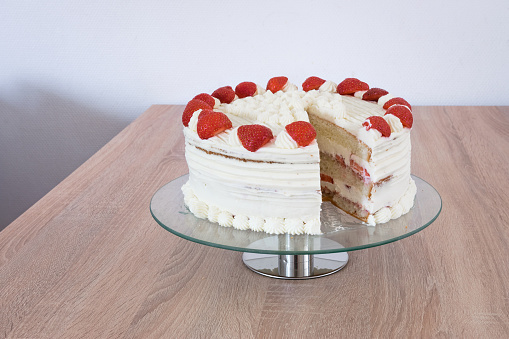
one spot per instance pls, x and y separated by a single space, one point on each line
295 266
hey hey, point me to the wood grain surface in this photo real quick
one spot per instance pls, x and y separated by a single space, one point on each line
88 260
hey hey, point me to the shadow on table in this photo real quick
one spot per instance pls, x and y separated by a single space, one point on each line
43 138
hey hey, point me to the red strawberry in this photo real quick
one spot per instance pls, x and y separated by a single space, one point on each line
312 83
325 177
403 113
351 85
379 124
341 160
276 84
193 106
211 123
302 132
205 112
253 137
245 89
373 94
396 101
207 98
225 94
361 171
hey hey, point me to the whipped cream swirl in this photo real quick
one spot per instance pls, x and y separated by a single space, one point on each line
233 138
328 86
394 122
256 224
284 140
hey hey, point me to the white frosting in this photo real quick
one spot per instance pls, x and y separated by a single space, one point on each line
213 213
289 87
241 222
290 189
193 122
394 122
233 138
384 98
328 86
382 215
256 223
225 219
274 225
396 211
259 90
369 136
312 226
199 208
294 226
217 102
284 140
402 206
328 106
359 94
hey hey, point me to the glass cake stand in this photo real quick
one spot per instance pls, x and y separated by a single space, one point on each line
294 256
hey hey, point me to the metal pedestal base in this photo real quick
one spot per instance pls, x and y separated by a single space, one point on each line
295 266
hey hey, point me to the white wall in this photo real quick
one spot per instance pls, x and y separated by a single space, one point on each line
73 73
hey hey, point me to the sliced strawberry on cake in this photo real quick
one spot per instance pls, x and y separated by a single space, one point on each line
396 101
373 94
403 113
302 132
277 84
253 137
312 83
351 85
211 123
378 123
225 94
245 89
209 99
193 106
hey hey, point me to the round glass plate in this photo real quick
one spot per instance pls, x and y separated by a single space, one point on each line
341 232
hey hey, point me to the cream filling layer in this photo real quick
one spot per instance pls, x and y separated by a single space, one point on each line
389 158
386 194
390 201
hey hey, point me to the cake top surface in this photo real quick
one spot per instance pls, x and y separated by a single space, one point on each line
373 115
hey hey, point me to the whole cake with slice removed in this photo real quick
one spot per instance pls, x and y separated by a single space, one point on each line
264 158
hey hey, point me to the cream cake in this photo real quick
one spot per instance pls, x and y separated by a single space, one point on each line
264 159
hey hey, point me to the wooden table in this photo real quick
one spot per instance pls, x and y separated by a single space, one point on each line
88 260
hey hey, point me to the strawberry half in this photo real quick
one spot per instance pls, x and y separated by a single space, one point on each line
373 94
312 83
245 89
206 98
403 113
361 171
351 85
379 124
253 137
302 132
325 177
193 106
225 94
211 123
276 84
341 160
397 101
